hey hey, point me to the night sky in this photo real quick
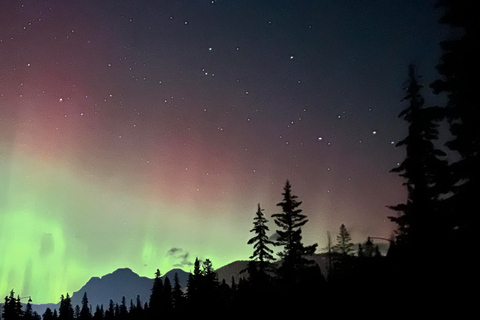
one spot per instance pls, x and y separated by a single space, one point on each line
144 133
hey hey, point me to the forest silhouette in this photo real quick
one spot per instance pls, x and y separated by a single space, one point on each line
429 266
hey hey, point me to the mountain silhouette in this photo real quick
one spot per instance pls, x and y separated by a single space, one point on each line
114 286
122 283
235 268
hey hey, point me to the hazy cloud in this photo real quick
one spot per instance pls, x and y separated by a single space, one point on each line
180 257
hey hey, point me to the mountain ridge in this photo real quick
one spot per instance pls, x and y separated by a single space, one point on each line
125 282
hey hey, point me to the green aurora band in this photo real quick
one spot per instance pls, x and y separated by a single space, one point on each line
57 231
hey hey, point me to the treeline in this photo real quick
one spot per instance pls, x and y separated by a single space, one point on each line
430 265
264 283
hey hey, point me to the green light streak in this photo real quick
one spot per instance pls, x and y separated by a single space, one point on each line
57 231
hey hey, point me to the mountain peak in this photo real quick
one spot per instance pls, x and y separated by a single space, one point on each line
121 272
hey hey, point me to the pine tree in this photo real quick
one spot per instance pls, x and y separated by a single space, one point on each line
110 313
167 300
139 303
85 311
290 222
12 309
48 314
156 295
209 281
193 285
123 308
419 218
99 314
344 244
261 263
66 309
177 294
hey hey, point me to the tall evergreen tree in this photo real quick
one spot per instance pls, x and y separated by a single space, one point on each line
110 312
177 294
123 308
459 68
99 314
194 280
139 303
156 295
290 222
262 258
66 308
12 308
344 244
85 311
167 300
209 283
423 170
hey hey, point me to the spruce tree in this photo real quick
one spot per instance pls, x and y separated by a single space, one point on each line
177 294
167 300
85 311
344 244
99 314
423 170
290 222
193 285
156 295
110 312
66 309
209 283
48 314
261 263
12 309
123 308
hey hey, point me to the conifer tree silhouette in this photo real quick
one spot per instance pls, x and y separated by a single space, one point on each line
418 219
99 313
12 308
290 222
156 296
344 244
177 295
48 314
459 68
260 265
66 309
85 311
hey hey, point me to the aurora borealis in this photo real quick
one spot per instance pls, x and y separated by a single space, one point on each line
143 134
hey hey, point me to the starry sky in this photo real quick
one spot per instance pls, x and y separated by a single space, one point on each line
144 133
